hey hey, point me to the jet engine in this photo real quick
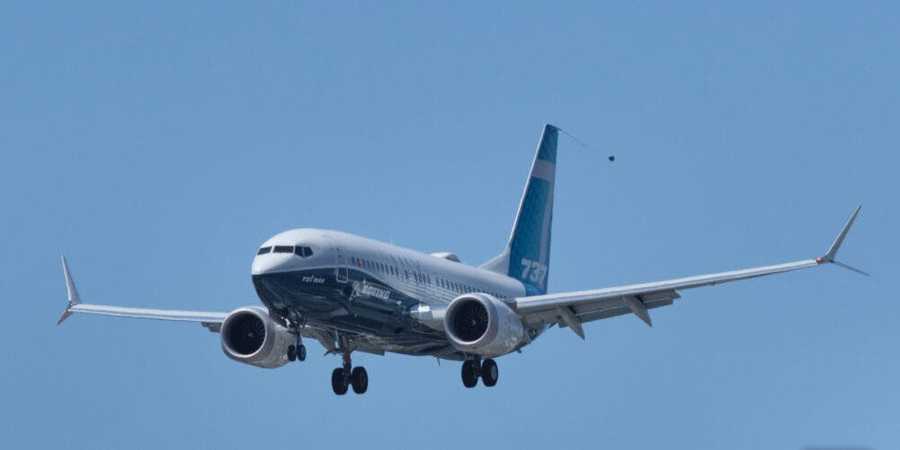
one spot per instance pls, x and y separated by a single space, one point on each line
250 336
481 324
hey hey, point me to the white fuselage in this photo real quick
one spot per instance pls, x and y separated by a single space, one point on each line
383 294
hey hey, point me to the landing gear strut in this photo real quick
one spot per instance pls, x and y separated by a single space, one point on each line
344 377
487 370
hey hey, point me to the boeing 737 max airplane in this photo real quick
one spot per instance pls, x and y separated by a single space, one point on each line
351 293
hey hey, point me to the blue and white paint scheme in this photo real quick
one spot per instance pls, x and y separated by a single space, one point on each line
351 293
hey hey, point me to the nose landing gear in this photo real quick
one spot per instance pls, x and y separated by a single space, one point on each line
297 352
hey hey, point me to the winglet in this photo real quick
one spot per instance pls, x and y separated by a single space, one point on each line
839 240
830 256
71 292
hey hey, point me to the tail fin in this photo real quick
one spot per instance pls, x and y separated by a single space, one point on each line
527 254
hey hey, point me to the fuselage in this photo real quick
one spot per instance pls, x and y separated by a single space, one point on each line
367 288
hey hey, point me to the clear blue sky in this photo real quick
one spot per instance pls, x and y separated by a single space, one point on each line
157 145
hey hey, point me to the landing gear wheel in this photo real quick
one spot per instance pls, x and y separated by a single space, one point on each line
489 372
470 369
301 353
339 381
360 380
291 353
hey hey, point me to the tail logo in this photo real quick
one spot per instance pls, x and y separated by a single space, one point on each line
534 271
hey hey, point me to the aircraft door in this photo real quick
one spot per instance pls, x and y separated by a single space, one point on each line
341 273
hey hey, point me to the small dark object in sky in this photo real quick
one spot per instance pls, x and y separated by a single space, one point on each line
612 158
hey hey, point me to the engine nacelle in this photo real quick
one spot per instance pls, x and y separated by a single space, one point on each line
481 324
250 336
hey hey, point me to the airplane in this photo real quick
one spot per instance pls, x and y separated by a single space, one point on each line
351 293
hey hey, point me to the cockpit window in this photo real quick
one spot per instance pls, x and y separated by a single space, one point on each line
264 250
303 252
284 249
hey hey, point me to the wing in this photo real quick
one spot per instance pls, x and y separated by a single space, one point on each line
211 320
571 309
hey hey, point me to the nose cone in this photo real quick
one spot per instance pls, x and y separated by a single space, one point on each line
271 263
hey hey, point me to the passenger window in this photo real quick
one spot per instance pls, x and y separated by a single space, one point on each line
264 250
284 249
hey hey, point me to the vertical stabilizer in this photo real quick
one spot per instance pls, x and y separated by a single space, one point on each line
527 254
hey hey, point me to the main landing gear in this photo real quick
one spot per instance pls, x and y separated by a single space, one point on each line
346 376
487 370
